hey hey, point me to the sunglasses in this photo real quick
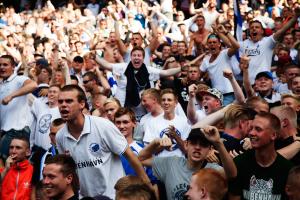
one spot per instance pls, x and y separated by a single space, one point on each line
86 81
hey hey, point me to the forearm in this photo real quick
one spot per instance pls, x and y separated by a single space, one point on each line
67 76
283 30
12 52
170 72
136 165
238 93
290 151
103 82
180 143
191 110
149 150
226 41
104 63
249 90
227 161
234 43
190 48
28 87
212 118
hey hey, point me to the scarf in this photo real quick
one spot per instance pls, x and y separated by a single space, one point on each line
137 80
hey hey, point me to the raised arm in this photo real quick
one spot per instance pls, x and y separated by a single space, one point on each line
238 93
120 43
191 109
154 43
213 135
156 146
192 8
172 71
227 37
211 119
103 81
104 64
244 64
288 25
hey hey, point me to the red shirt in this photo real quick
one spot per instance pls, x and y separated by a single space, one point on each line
17 182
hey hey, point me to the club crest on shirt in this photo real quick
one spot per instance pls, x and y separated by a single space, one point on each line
44 123
94 149
165 132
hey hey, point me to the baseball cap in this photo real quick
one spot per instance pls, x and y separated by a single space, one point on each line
213 92
266 74
197 136
42 62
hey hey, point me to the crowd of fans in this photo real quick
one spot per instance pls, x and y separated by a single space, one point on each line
149 100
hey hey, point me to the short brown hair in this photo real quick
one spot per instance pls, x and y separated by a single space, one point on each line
68 166
274 122
137 48
125 111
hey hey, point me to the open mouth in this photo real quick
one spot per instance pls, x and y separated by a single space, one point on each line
205 108
253 139
254 34
136 62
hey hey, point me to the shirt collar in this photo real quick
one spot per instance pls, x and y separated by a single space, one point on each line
86 128
10 78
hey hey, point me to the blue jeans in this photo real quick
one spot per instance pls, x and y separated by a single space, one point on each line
7 136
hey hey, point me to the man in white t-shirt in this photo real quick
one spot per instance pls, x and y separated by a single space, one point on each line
260 48
169 125
218 60
13 109
151 102
134 78
95 144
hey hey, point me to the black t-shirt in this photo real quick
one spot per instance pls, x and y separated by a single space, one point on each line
182 93
256 182
231 143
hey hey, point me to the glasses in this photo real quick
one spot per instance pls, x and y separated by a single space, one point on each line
86 81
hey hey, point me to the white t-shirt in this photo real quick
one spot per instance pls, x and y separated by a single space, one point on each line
147 124
159 128
13 115
210 18
119 70
96 153
260 54
215 71
43 115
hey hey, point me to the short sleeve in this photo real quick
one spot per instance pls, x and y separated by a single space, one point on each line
153 73
160 167
112 137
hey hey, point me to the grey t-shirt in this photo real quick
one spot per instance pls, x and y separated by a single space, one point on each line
175 174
